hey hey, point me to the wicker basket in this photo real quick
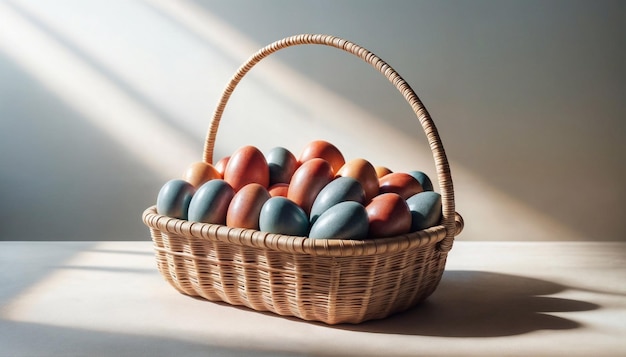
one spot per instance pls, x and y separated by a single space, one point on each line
333 281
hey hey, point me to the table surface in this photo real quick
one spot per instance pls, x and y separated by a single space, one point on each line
495 298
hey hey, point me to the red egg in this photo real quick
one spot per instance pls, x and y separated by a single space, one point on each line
323 150
382 171
388 215
245 207
308 181
200 172
279 189
247 165
362 171
401 183
221 165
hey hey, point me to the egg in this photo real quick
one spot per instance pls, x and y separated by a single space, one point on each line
363 171
323 150
247 165
423 179
308 180
245 206
338 190
210 202
200 172
220 165
382 171
388 215
401 183
279 189
280 215
174 198
425 208
282 164
345 220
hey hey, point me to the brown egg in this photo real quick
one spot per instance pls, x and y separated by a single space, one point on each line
245 207
363 171
247 165
200 172
401 183
323 150
388 215
308 181
279 189
221 165
382 171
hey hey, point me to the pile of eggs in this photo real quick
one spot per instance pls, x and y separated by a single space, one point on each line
317 195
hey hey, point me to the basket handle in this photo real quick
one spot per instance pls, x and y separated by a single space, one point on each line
439 155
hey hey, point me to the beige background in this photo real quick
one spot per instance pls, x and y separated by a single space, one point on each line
103 101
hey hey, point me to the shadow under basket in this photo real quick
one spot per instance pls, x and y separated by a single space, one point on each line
328 280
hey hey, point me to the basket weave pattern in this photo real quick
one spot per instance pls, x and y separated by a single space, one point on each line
333 281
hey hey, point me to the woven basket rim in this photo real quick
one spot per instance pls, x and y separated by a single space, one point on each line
296 244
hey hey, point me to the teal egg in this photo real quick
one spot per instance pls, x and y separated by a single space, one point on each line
174 198
423 179
282 164
338 190
425 210
345 220
210 202
280 215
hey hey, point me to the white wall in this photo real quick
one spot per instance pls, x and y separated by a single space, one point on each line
102 101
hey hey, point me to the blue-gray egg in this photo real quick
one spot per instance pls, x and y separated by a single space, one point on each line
423 179
345 220
338 190
425 210
280 215
282 164
174 198
210 202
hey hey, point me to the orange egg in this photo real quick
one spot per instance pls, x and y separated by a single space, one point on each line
388 215
200 172
221 165
245 206
363 171
382 171
401 183
323 150
308 180
247 165
279 189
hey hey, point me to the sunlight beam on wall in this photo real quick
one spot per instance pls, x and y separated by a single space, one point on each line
93 96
